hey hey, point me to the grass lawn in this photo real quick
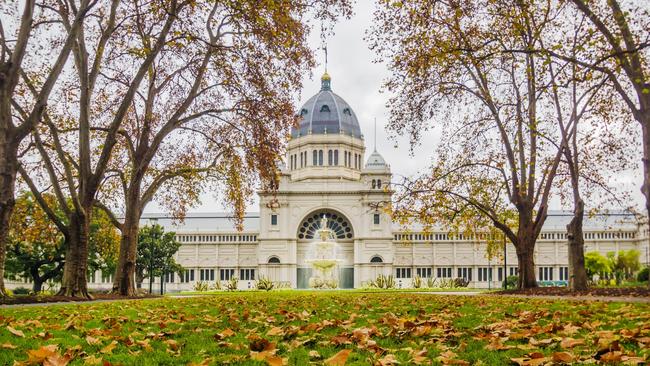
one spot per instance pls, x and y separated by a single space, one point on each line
299 327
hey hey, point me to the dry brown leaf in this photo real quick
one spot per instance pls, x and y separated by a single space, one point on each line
314 354
388 360
7 346
569 342
92 340
205 362
339 359
109 348
92 360
275 331
18 333
612 357
564 357
526 361
274 361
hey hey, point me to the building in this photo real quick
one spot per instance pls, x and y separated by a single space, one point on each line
327 175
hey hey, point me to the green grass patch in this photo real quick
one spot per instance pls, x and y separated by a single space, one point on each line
302 327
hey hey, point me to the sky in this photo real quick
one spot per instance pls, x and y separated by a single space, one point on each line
357 79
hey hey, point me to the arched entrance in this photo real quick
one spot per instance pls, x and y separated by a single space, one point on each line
343 233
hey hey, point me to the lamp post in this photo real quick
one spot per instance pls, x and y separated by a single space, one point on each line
505 263
152 238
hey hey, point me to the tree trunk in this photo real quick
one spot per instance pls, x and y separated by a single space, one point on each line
124 282
74 283
38 284
8 171
525 257
577 271
645 188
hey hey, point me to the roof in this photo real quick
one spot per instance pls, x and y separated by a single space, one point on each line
203 222
376 162
557 220
223 222
327 113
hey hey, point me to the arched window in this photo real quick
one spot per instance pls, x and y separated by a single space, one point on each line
324 108
336 157
376 259
315 160
379 183
374 184
330 157
320 157
338 224
274 260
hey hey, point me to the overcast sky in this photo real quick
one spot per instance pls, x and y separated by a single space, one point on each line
358 80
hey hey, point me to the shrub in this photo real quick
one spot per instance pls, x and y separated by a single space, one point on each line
21 291
417 282
642 276
383 281
460 282
512 281
231 285
217 286
265 284
431 282
201 286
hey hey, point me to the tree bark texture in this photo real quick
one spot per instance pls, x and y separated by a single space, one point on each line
75 270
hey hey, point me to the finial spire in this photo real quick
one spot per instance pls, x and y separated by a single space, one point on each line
325 80
375 134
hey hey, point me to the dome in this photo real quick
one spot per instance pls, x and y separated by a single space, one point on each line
376 162
327 113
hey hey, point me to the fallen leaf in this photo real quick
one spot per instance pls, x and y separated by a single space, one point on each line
8 346
339 359
275 331
18 333
564 357
274 361
314 354
92 340
527 361
109 348
612 357
92 360
570 342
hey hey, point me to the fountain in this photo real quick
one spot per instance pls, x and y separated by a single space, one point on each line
323 259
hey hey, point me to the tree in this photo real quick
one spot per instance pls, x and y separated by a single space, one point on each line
216 107
36 246
624 263
597 264
76 147
21 53
453 63
156 249
619 49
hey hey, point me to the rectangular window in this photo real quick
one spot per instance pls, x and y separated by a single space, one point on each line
403 272
375 219
225 274
423 272
545 274
465 272
169 277
514 271
500 274
274 220
443 272
484 274
247 274
564 273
